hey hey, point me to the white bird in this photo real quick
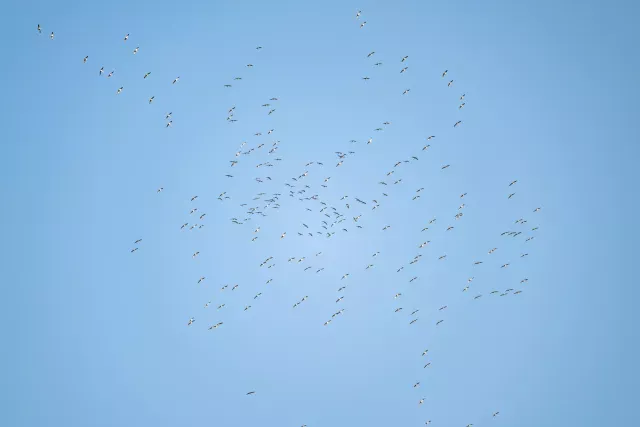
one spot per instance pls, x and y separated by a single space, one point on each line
136 50
119 90
52 35
176 80
126 37
84 61
363 24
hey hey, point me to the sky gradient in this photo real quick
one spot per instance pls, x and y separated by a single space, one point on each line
97 336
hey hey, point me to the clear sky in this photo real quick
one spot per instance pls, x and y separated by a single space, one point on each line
95 335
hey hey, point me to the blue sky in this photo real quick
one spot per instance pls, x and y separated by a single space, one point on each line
96 335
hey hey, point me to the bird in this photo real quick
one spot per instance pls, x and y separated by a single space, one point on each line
176 80
119 90
136 50
39 29
51 36
84 61
126 37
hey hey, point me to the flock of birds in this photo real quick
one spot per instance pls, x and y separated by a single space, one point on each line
333 217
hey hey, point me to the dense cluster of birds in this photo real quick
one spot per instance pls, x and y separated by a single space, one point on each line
338 215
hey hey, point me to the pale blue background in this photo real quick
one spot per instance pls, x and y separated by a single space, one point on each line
96 336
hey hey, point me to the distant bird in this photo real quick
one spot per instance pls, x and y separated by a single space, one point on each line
363 24
151 99
450 83
176 80
147 75
51 36
119 90
126 37
457 123
444 73
136 50
39 29
84 61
